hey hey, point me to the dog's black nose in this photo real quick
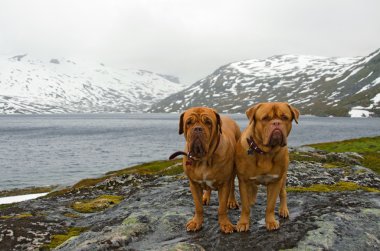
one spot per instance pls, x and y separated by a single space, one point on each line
198 129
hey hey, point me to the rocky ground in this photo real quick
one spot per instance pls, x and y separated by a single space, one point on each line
333 200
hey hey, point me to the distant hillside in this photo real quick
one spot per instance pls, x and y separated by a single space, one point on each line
58 85
316 85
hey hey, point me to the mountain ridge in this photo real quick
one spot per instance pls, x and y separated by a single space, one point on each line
322 86
60 85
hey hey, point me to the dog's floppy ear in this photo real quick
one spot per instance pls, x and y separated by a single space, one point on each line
181 123
251 112
218 121
295 113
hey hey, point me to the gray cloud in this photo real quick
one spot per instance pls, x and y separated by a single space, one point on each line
186 38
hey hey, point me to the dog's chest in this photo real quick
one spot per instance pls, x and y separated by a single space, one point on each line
265 172
205 176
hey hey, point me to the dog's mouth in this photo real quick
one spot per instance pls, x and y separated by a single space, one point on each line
277 138
197 148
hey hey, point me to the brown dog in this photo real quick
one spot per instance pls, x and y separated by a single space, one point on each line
209 164
262 158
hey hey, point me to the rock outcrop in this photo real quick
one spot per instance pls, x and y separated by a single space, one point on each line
334 204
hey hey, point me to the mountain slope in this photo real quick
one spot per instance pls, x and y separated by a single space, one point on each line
316 85
29 85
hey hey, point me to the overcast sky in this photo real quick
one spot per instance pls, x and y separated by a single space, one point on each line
187 38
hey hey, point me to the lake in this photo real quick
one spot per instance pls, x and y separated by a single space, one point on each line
38 150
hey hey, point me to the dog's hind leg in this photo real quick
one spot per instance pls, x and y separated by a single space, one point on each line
252 191
232 202
206 196
283 211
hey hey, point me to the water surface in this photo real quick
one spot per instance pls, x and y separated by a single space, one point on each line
37 150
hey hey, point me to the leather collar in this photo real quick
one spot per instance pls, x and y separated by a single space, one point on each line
253 147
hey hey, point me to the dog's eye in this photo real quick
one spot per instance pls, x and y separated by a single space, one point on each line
208 122
284 117
266 118
189 122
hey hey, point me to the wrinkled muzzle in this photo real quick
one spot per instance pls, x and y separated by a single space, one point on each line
197 145
277 138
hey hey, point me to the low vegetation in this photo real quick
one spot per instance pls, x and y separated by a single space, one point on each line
368 148
338 187
98 204
58 239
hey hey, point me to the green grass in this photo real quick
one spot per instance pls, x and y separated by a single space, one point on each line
369 144
338 187
368 147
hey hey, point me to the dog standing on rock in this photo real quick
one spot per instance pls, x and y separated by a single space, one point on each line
262 158
209 161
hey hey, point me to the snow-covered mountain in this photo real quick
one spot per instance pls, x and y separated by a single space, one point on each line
316 85
58 85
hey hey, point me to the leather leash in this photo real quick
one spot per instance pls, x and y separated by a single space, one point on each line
190 158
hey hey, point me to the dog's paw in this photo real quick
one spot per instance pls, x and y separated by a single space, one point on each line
193 225
206 199
284 212
242 226
227 227
272 225
232 204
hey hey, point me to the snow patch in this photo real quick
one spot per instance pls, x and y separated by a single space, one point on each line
18 198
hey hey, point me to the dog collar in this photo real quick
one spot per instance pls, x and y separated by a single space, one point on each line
253 147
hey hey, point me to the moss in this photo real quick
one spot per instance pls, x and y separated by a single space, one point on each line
162 167
4 206
17 216
334 164
71 215
25 215
327 161
368 147
88 182
58 239
371 160
304 157
98 204
338 187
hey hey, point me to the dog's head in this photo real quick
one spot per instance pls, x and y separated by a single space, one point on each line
201 127
272 122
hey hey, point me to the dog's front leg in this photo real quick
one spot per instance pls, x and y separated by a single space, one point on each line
196 222
225 223
243 224
273 190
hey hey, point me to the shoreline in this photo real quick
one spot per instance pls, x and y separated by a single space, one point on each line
51 188
144 206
